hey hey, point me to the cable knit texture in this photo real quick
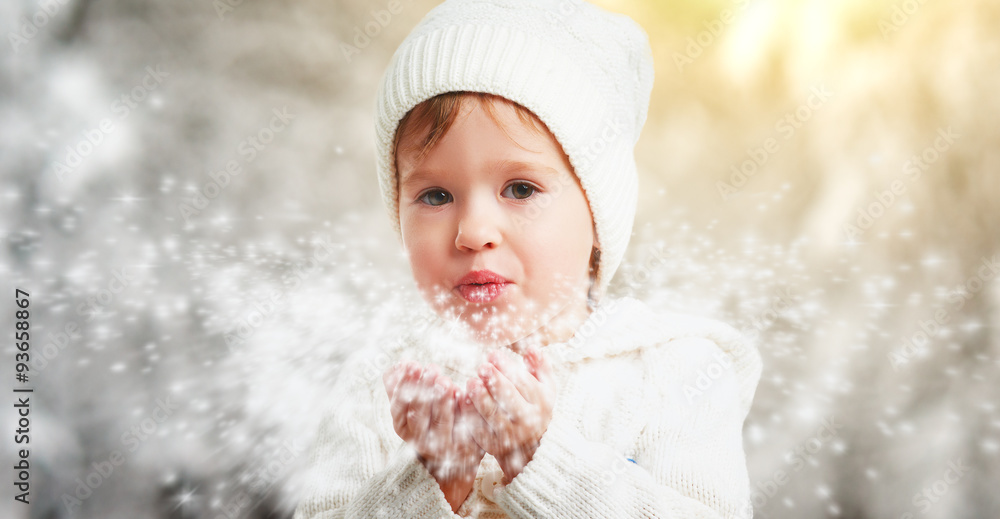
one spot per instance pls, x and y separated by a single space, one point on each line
585 72
648 423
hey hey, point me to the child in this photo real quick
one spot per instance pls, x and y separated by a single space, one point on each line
505 131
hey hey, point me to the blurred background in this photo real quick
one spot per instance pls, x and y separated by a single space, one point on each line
188 194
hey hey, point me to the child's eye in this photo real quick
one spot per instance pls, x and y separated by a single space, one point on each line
435 197
520 190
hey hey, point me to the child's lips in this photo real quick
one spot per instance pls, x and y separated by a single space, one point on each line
482 293
481 286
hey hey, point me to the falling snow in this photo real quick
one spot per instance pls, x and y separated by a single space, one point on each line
232 323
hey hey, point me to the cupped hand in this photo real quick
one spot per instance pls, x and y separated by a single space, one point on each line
430 412
514 399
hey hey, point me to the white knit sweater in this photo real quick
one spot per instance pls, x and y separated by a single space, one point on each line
648 423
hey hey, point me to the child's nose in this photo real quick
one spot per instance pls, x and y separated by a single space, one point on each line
478 228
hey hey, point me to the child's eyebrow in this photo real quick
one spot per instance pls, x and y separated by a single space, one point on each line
417 177
497 167
520 165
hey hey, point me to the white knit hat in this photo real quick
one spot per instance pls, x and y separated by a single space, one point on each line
585 72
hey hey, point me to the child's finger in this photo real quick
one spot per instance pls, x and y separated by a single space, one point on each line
391 377
402 397
467 434
515 370
419 414
442 416
489 407
398 408
405 375
539 363
470 423
531 361
543 373
426 383
467 417
406 387
472 420
507 395
427 378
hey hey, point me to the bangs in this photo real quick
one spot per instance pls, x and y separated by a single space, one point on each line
435 116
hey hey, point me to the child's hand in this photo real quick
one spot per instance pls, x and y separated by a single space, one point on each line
427 412
515 401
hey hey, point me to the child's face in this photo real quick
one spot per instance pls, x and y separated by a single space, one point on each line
478 201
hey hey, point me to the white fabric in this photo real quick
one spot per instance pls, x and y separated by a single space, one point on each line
585 72
668 391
